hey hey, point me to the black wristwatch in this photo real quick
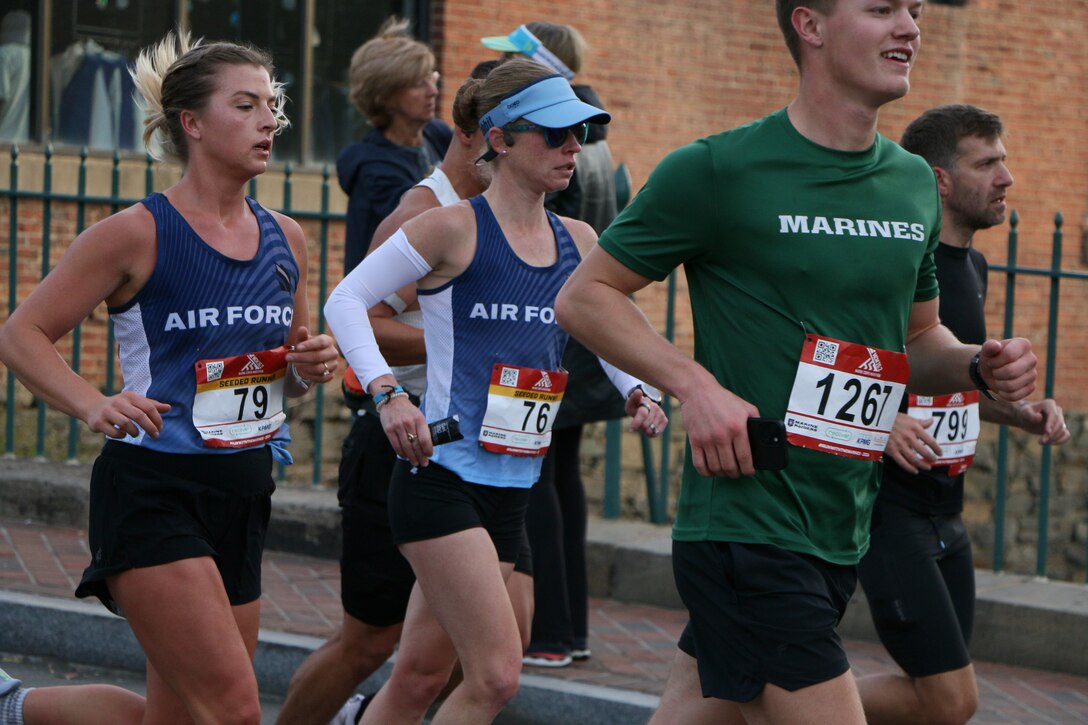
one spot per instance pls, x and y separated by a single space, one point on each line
977 379
648 391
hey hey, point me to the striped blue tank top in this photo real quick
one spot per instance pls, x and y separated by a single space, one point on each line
499 310
199 304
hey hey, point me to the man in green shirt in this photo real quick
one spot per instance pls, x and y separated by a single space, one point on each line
807 241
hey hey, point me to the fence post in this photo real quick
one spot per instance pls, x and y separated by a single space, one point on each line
612 438
13 278
1051 365
1003 432
47 240
77 331
322 283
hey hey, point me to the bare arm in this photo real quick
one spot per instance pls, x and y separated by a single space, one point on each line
110 262
646 415
939 362
594 307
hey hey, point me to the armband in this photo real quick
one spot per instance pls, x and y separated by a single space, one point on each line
977 379
392 391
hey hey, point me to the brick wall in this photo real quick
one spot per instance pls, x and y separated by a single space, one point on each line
672 72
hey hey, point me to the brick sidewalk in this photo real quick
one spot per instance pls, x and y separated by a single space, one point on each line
632 645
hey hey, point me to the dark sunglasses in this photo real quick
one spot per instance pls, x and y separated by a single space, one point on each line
555 137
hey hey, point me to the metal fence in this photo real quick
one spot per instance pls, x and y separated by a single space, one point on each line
81 201
657 473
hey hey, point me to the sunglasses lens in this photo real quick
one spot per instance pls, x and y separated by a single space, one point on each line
556 137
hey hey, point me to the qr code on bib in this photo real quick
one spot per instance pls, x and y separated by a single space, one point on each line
826 352
215 370
509 377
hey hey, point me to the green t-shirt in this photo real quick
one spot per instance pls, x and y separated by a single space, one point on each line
778 237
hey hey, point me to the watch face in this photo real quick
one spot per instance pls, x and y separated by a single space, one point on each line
652 393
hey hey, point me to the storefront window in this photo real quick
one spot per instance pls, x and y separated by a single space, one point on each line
91 92
78 92
17 72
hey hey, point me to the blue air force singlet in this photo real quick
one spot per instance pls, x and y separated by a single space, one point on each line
200 304
499 310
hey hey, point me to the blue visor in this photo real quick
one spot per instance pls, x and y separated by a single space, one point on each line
548 102
524 42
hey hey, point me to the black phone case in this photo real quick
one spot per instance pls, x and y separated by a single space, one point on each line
767 439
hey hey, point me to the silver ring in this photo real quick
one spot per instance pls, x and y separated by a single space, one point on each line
645 405
653 428
327 371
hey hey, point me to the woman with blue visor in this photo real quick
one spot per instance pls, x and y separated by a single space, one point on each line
487 272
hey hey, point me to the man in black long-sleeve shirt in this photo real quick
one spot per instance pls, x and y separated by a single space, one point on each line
918 574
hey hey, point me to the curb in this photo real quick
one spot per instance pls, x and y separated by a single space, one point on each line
83 632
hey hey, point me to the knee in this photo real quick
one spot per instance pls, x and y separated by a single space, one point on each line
497 685
237 703
417 685
367 657
364 653
953 709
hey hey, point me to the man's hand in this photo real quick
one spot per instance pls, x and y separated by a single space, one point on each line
1045 419
717 426
1008 367
910 445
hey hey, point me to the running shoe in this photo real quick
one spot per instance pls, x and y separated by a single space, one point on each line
579 654
8 684
350 712
541 658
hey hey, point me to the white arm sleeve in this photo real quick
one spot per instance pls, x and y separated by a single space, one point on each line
381 273
620 379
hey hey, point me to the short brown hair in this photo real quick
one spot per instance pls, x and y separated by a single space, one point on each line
936 134
385 65
785 9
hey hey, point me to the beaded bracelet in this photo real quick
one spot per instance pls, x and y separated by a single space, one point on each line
393 391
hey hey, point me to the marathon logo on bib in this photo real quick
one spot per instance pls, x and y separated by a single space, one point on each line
956 426
239 400
845 398
521 407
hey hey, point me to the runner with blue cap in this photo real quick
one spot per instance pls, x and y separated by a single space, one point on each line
486 271
552 108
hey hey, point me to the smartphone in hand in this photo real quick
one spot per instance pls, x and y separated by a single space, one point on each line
767 439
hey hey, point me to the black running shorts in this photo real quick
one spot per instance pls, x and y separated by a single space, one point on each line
919 578
760 615
431 501
150 508
375 579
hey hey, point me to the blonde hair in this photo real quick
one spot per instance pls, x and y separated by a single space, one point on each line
178 74
383 66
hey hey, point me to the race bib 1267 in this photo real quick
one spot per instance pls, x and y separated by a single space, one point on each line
845 397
